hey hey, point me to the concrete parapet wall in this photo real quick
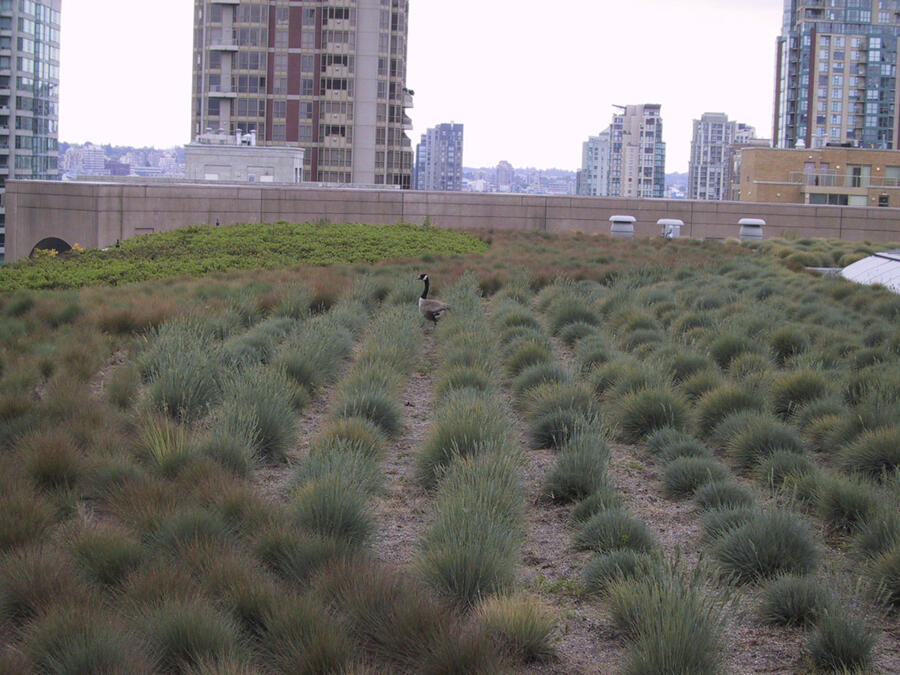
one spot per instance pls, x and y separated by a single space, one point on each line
96 214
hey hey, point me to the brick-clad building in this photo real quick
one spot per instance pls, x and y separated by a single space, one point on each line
837 176
328 76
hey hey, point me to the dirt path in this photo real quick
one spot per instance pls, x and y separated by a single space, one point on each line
550 569
272 481
402 510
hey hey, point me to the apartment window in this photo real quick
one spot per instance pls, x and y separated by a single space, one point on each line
884 17
279 85
835 132
306 110
281 63
823 66
836 120
306 63
839 42
836 106
282 15
279 109
306 87
305 133
837 80
281 38
837 94
307 39
278 132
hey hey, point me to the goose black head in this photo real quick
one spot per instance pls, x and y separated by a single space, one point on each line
423 277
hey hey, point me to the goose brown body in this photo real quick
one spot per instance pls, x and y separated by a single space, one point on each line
432 308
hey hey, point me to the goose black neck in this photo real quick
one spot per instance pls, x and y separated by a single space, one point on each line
425 292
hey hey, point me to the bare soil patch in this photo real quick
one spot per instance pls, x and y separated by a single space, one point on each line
402 511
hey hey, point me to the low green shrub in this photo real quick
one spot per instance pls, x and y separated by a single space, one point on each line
717 522
373 401
258 408
470 549
188 525
555 411
592 351
107 557
350 434
79 640
684 365
879 533
723 494
180 633
614 529
787 343
228 451
760 437
574 332
461 377
700 383
521 629
297 556
794 390
768 544
52 460
726 348
527 353
885 576
334 506
301 637
874 454
357 470
782 467
580 468
469 423
31 581
794 600
397 621
845 503
603 498
841 644
674 625
537 375
164 445
683 476
641 413
604 569
721 402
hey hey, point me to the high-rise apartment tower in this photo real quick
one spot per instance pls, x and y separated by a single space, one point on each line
708 172
637 156
592 179
836 78
439 159
29 93
325 75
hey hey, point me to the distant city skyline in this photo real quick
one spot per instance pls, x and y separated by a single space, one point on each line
529 84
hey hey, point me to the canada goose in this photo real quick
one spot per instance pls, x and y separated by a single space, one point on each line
431 309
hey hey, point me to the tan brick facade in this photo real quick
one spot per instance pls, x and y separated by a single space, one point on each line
831 176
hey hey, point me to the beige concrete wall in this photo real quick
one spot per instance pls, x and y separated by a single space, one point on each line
96 214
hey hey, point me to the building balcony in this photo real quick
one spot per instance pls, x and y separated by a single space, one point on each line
408 99
823 181
222 91
223 46
407 124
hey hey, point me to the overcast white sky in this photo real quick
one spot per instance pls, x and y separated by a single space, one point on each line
531 80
